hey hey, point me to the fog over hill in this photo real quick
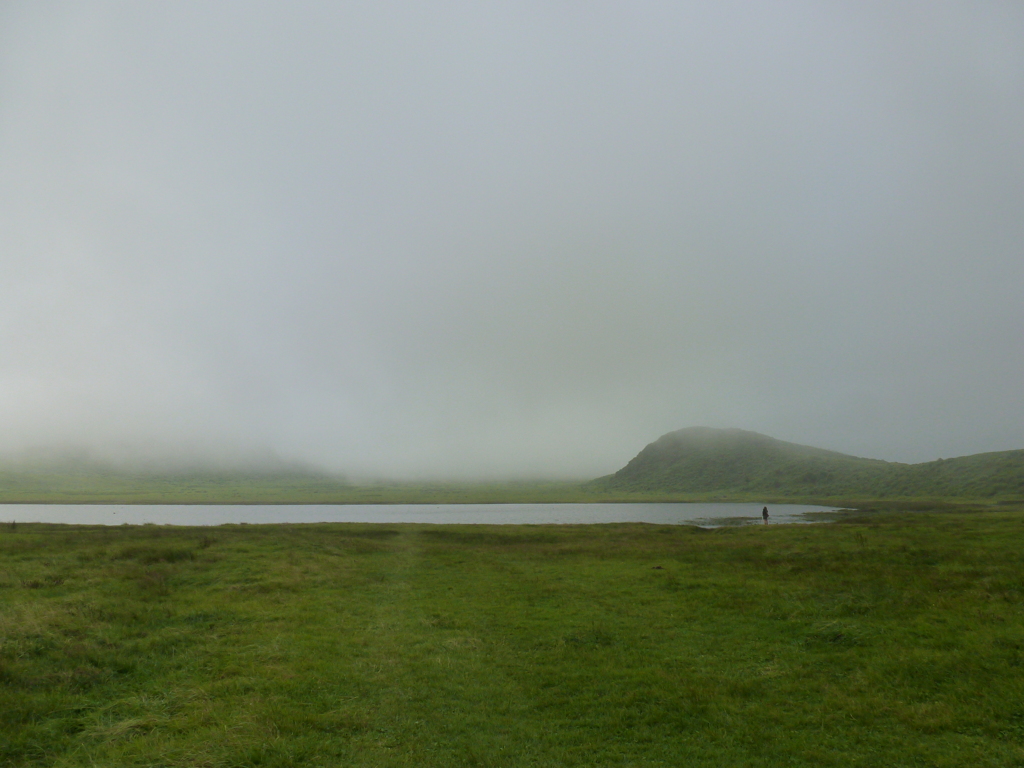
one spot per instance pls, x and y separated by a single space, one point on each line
157 460
733 461
508 239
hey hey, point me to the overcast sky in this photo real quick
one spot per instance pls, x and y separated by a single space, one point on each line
510 239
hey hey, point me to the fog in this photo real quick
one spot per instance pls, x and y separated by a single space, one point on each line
467 240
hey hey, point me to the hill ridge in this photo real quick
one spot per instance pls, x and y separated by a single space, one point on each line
701 460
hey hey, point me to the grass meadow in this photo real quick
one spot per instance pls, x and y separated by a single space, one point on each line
87 487
882 640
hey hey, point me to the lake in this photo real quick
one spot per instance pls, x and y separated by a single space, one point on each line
493 514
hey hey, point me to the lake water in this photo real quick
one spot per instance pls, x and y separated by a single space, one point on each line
493 514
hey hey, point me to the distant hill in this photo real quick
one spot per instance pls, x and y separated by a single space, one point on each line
77 478
700 460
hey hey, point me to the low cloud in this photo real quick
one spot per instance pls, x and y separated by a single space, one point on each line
519 240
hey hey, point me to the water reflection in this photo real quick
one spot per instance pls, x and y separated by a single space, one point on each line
709 515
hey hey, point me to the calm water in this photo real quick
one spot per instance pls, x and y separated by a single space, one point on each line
219 514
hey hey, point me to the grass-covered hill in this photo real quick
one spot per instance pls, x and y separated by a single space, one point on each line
695 464
734 462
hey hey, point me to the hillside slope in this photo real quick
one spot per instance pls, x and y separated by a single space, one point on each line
700 460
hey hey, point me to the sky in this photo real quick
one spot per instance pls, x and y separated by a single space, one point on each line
510 239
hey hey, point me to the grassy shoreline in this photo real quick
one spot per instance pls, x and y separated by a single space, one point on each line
882 639
50 488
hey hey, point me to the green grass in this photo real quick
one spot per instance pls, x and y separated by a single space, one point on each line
111 487
887 639
128 488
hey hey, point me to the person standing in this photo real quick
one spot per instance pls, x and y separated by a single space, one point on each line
764 515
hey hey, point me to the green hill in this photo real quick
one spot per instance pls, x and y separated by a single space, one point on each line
695 464
700 460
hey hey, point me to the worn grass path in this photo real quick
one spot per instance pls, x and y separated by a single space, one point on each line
887 640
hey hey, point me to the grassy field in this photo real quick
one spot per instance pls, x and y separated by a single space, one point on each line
884 640
237 488
92 487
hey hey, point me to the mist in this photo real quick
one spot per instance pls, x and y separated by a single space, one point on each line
402 240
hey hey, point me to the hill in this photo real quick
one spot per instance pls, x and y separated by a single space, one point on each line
695 464
734 462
